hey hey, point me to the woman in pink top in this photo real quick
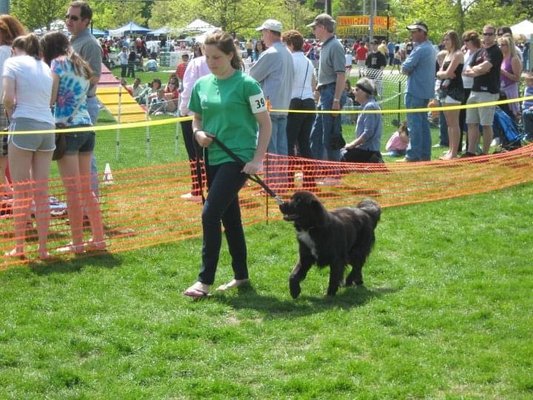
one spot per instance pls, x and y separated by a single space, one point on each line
510 72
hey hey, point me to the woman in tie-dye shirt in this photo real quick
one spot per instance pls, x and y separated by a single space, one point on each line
71 76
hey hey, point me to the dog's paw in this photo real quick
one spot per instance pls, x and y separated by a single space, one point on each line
295 289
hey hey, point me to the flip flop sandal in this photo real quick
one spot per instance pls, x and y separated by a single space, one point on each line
197 291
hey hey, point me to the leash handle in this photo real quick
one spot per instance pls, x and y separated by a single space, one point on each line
253 177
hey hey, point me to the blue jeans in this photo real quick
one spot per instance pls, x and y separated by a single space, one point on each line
326 126
444 140
419 148
276 171
222 206
93 108
278 139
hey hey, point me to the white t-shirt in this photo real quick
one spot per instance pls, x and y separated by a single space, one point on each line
33 87
5 53
302 89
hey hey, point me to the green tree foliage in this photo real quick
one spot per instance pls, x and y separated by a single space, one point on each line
239 16
110 14
443 15
36 14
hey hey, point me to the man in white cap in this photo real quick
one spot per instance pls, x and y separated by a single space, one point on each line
326 132
420 70
274 72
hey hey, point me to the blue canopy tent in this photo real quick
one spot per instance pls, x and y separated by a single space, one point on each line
98 32
161 31
130 28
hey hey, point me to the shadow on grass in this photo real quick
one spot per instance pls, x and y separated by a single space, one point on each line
75 264
346 298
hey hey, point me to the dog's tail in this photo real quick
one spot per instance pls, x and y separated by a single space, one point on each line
372 208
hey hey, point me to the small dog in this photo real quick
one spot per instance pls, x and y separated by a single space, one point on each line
337 238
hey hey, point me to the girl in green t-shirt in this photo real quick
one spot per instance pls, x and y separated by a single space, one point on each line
231 106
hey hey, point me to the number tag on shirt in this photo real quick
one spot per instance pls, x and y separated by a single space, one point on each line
258 103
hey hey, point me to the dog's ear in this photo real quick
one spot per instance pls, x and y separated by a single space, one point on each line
319 212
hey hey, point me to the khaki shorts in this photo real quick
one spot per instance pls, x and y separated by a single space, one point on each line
32 142
481 115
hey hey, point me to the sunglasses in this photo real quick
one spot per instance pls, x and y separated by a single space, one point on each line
72 17
488 33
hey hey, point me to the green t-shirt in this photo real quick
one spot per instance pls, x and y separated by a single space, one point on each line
227 108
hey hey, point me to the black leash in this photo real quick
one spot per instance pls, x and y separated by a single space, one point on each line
236 158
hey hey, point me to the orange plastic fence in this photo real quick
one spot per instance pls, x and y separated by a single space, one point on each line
142 207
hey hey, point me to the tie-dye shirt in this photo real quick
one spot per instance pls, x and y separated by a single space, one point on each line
71 103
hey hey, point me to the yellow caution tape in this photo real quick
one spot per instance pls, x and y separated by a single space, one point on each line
168 121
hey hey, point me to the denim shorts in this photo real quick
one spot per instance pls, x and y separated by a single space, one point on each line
80 142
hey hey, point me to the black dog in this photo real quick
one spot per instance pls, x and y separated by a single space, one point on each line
337 238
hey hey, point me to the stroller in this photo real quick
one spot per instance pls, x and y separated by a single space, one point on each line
507 130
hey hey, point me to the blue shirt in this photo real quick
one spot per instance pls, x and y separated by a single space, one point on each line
420 69
275 73
71 103
370 127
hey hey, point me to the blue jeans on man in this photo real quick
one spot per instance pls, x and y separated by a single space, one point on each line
419 148
326 126
278 139
276 169
93 108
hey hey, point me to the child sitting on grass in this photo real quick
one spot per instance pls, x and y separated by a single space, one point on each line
397 144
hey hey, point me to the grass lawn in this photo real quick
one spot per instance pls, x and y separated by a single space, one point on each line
445 314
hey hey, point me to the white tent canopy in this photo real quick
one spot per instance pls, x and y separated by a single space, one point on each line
523 28
199 26
129 28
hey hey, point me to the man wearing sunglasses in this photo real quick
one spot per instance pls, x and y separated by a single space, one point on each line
78 21
485 69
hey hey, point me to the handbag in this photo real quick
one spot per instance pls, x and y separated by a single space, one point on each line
61 143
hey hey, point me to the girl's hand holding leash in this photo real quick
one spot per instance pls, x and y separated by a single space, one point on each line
202 138
252 167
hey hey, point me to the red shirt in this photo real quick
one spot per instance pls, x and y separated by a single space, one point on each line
180 71
361 53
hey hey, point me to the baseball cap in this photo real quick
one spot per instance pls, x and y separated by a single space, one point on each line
324 20
271 25
366 85
418 25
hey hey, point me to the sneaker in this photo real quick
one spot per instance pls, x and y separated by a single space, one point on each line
330 182
405 159
233 284
192 197
467 154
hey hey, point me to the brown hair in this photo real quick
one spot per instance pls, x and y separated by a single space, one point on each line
473 37
86 11
293 38
454 38
224 42
56 44
29 43
10 28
